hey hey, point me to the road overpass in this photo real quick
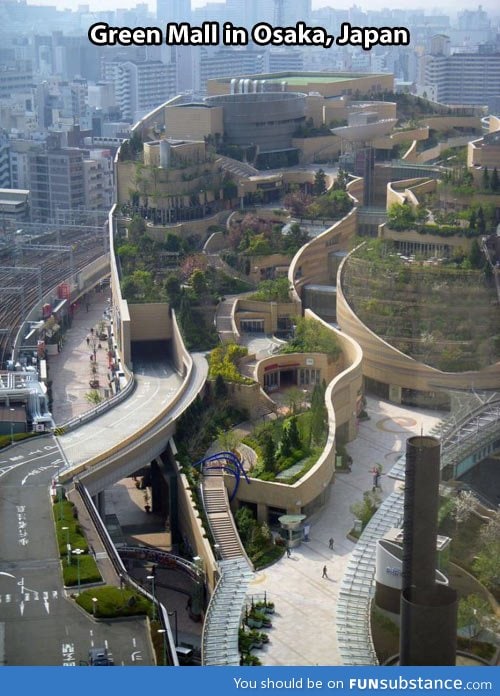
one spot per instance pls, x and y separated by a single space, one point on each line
137 430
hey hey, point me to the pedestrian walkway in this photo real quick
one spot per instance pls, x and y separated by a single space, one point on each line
70 370
96 547
305 623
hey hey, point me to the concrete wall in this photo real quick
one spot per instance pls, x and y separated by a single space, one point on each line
455 241
198 227
494 124
328 146
261 265
269 311
119 306
329 368
150 321
482 154
434 152
442 123
343 400
387 142
193 122
179 353
409 190
190 523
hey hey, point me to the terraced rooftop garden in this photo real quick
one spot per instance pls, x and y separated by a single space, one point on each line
442 314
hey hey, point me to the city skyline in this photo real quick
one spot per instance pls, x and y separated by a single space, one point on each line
447 6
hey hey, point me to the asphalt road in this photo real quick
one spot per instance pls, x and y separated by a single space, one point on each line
39 623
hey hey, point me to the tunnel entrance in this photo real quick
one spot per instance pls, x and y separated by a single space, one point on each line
150 352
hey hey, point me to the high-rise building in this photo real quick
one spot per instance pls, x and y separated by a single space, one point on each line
5 180
463 78
226 62
56 181
15 77
140 87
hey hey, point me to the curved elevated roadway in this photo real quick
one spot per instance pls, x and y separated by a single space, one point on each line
135 432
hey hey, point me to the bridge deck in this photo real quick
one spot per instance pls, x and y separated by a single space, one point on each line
157 384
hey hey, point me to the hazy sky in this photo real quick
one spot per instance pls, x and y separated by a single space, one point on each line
430 5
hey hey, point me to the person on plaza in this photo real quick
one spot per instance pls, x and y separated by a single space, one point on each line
330 543
288 552
325 572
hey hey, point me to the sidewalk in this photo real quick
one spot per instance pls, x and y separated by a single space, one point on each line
106 568
70 370
304 625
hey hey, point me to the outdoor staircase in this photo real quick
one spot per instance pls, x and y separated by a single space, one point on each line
220 518
223 321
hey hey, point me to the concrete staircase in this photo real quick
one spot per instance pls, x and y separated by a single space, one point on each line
223 321
220 518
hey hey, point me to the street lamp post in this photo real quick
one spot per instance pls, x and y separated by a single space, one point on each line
60 501
94 604
78 553
162 630
68 546
151 578
12 410
176 632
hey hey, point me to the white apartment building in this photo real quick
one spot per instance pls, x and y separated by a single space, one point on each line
140 87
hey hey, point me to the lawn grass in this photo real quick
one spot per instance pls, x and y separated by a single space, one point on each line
85 567
113 602
88 571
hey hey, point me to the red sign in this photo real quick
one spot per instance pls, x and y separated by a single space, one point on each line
64 291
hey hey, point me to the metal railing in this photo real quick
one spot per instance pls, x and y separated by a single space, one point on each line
122 572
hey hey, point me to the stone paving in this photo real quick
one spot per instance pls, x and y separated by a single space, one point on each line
304 630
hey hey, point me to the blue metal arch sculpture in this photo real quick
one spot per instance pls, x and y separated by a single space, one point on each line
234 467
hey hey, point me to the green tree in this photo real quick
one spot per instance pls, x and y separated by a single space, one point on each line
472 219
365 509
319 415
294 398
494 182
136 229
199 283
293 433
486 179
476 257
401 216
93 397
319 186
245 522
268 452
228 440
487 567
220 387
481 222
472 611
285 448
173 290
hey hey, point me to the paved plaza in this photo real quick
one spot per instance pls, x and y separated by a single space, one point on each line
304 628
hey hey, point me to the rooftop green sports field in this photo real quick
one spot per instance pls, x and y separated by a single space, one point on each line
307 79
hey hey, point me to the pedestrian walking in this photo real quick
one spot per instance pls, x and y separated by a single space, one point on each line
288 552
88 340
330 543
325 572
